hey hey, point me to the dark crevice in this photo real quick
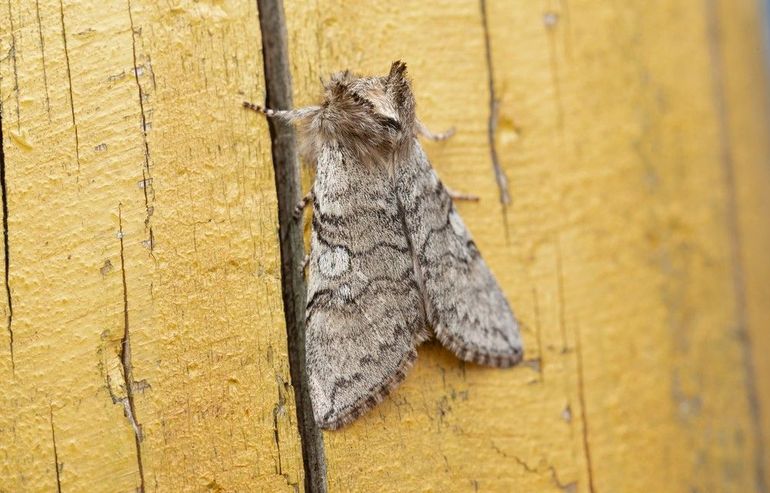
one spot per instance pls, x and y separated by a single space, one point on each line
278 409
15 67
42 53
583 410
502 180
146 175
538 338
125 360
287 184
570 487
55 454
579 362
7 254
735 239
562 306
527 467
69 79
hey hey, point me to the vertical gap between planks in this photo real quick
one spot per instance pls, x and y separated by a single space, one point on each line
735 240
287 183
7 258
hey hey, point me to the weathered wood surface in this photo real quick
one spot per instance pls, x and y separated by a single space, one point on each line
141 208
141 205
623 129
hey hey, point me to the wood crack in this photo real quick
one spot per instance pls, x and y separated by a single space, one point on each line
500 177
287 183
125 359
42 53
583 410
146 174
735 240
570 487
278 410
7 254
538 337
55 453
15 67
562 306
69 79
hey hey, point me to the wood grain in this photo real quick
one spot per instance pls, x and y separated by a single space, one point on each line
142 296
618 249
141 207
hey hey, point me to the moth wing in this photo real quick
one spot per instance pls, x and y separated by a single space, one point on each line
364 316
463 301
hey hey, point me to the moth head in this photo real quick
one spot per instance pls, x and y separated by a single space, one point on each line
375 112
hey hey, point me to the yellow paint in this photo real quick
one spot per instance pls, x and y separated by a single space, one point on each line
205 316
617 257
616 133
745 84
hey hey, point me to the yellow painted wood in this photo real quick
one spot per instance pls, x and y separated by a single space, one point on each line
634 139
618 128
746 114
168 235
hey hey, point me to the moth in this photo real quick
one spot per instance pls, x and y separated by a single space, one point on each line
391 262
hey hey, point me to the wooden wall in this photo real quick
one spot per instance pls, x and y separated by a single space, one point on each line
143 341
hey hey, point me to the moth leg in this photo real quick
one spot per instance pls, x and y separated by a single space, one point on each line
425 132
305 201
455 195
286 115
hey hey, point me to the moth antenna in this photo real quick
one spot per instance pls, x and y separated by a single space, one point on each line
286 115
399 89
261 109
397 70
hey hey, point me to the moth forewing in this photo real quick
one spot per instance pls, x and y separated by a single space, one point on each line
465 306
363 313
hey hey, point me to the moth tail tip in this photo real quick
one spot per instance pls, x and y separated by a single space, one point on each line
366 404
474 355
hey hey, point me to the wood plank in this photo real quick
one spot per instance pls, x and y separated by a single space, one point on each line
737 47
616 250
141 208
